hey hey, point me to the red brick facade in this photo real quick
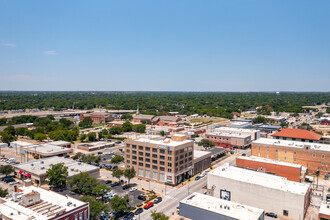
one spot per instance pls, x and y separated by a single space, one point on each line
312 159
291 173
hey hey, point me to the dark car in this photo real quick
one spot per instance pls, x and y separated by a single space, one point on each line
142 198
117 142
197 177
158 200
114 167
271 214
99 153
129 215
108 182
138 211
114 184
125 187
119 214
66 156
328 197
8 179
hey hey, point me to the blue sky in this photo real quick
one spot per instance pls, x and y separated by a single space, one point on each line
165 45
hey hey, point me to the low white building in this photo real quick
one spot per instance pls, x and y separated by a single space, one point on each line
255 134
269 192
199 206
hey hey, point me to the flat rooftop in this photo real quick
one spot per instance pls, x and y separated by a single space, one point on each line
52 203
60 143
229 129
45 149
292 144
21 143
271 161
227 134
95 144
166 142
261 179
324 209
39 167
199 153
222 207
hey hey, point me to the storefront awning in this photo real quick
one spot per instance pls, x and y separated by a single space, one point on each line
25 173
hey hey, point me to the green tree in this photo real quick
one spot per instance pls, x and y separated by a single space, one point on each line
7 137
259 119
86 123
158 216
130 173
57 175
82 137
3 121
103 133
100 190
10 129
117 159
3 192
328 110
118 203
206 143
39 137
126 117
141 128
65 123
115 130
95 207
6 169
83 183
117 173
91 136
127 126
162 133
21 131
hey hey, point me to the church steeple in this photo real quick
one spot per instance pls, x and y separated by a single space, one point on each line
137 109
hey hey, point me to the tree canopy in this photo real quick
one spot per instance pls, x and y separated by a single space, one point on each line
206 143
130 173
96 207
57 175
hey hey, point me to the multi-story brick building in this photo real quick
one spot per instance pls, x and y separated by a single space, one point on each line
98 117
297 135
311 155
291 171
166 161
229 140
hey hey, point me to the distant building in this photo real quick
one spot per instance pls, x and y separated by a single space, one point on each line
93 146
199 206
324 121
291 171
165 161
324 212
66 144
31 202
240 124
229 140
255 134
271 193
297 135
98 117
36 169
172 121
44 150
311 155
139 118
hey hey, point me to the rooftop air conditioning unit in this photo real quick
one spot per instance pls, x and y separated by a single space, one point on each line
42 168
42 162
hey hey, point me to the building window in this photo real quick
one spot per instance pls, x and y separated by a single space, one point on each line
284 158
322 168
133 146
258 154
267 149
162 151
285 152
76 217
259 148
86 215
169 158
326 163
140 147
162 168
147 154
294 159
293 139
154 167
276 150
162 157
140 158
141 153
154 161
140 173
127 161
134 162
322 164
323 156
128 145
154 150
313 155
161 163
326 169
154 156
169 164
81 216
147 160
147 148
134 157
147 165
169 152
169 170
133 151
285 212
294 153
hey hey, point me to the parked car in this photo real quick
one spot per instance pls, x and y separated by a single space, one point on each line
66 156
114 167
197 177
108 181
138 211
148 205
271 214
125 187
8 179
132 189
158 200
129 216
142 198
328 197
113 184
14 182
202 175
99 153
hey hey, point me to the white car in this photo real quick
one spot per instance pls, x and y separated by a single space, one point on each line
132 189
13 183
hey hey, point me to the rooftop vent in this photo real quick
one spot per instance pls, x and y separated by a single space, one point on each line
69 203
42 162
42 168
32 164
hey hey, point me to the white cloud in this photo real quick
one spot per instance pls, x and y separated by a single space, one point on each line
50 52
7 44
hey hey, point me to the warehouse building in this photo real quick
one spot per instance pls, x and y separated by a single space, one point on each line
94 145
255 134
314 156
36 169
291 171
229 140
199 206
29 203
271 193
